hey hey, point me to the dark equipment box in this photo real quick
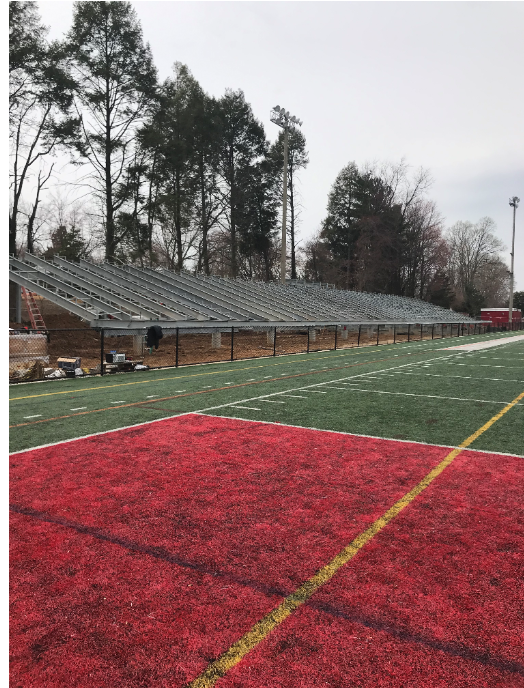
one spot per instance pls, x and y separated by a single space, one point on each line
69 363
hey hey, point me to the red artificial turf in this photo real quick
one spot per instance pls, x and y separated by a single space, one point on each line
434 600
139 556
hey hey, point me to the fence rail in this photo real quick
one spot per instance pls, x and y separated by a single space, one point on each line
34 354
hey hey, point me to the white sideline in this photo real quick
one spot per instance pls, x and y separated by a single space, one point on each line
357 434
477 346
212 408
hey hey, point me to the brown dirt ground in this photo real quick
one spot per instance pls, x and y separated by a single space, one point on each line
76 339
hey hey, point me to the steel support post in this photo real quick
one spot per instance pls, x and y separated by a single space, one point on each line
359 331
336 330
101 352
275 342
176 349
394 334
232 341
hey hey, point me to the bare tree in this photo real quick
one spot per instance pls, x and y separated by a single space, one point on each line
474 255
40 96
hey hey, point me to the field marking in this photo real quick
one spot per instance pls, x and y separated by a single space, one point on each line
293 396
301 389
185 413
250 408
80 408
479 346
38 415
460 377
272 401
218 389
363 350
236 652
487 365
356 434
428 396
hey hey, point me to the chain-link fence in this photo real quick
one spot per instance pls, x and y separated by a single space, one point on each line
58 353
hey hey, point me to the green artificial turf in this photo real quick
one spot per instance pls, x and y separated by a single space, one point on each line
80 407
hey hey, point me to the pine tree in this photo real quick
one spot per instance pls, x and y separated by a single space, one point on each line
243 145
116 88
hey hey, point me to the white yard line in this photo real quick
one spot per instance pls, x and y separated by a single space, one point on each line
38 415
460 377
80 408
212 408
428 396
357 434
250 408
308 387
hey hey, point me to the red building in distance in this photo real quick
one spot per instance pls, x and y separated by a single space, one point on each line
499 315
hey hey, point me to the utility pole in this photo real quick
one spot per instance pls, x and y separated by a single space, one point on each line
514 203
283 119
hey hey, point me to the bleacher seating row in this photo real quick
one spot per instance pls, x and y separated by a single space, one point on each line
127 293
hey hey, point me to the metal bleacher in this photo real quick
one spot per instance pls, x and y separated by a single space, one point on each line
119 296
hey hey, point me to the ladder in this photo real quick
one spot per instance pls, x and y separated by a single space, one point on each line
37 322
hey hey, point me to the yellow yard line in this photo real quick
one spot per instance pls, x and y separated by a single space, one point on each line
213 372
265 626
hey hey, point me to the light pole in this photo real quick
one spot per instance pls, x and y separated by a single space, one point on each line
283 119
514 203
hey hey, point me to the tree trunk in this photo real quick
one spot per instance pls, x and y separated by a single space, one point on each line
178 222
205 249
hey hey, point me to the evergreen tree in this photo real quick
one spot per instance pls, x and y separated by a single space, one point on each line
518 300
172 136
297 160
243 145
116 87
257 224
67 243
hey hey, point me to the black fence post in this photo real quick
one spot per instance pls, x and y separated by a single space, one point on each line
102 351
409 330
307 339
394 334
275 341
433 331
232 341
421 332
378 333
176 349
359 331
336 330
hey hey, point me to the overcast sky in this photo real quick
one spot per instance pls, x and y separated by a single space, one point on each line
438 83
